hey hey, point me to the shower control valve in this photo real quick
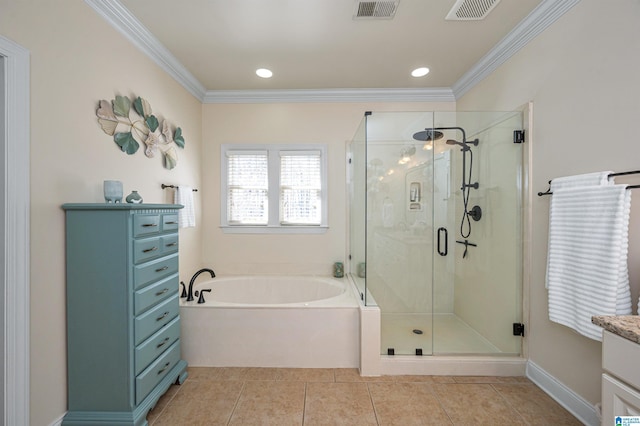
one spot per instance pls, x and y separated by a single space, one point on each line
475 213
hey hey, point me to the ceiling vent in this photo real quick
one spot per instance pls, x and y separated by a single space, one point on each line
375 9
471 10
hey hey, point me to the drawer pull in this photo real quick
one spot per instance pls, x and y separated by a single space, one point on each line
160 293
164 368
171 223
149 225
171 244
161 317
164 268
164 342
150 249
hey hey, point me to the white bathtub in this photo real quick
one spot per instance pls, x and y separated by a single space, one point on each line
272 321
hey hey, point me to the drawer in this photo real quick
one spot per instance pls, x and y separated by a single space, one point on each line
169 244
146 224
169 222
618 399
155 293
153 320
150 377
155 345
154 270
146 249
620 358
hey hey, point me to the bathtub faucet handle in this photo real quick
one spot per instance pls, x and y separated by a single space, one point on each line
184 289
201 298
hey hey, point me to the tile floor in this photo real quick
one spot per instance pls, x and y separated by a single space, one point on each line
287 396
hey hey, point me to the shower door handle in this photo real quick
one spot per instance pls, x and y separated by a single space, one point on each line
443 231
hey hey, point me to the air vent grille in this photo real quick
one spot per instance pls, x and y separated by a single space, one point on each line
471 10
375 9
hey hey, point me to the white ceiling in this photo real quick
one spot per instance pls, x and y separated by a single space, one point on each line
318 45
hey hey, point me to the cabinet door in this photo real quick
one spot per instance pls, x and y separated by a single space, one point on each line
618 399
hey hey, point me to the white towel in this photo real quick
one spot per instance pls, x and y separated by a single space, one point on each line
587 259
587 179
186 215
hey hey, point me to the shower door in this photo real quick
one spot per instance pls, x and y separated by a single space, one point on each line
478 285
445 283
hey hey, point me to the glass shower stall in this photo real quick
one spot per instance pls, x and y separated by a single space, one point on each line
435 230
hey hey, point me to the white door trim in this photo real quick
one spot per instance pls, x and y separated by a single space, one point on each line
16 225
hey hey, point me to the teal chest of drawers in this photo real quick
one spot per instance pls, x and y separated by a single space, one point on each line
123 319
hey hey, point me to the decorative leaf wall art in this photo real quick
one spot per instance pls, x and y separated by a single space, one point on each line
115 119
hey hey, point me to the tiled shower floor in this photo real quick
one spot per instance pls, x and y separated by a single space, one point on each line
452 335
281 396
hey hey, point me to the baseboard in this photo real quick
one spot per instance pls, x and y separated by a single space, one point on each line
574 403
58 422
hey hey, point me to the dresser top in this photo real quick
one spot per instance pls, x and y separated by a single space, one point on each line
119 206
627 326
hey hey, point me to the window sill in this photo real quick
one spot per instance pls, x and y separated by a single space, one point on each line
247 229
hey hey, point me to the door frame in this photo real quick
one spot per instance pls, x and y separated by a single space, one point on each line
15 280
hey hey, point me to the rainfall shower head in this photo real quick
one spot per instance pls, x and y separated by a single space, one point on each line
428 135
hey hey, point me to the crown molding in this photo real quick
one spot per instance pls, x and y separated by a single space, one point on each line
531 26
442 94
122 20
545 14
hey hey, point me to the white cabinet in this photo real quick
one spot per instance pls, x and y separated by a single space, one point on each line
621 378
619 399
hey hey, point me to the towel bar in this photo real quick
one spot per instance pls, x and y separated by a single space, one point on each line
174 186
548 191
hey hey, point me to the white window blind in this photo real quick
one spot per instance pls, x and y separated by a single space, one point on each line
269 188
248 188
300 188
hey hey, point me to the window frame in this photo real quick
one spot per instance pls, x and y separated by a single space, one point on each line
273 225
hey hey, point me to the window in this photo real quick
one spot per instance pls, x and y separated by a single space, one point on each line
248 188
273 188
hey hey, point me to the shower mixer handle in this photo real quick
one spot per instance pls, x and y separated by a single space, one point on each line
475 185
466 244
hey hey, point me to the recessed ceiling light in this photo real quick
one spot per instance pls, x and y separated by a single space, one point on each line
264 73
420 72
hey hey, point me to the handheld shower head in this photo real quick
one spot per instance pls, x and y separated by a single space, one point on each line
464 145
428 135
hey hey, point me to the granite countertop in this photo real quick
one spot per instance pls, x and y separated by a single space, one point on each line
627 326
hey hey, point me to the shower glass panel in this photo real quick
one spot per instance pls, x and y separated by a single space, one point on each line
357 178
435 229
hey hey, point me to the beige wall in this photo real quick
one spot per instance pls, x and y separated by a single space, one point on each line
327 123
582 76
76 60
